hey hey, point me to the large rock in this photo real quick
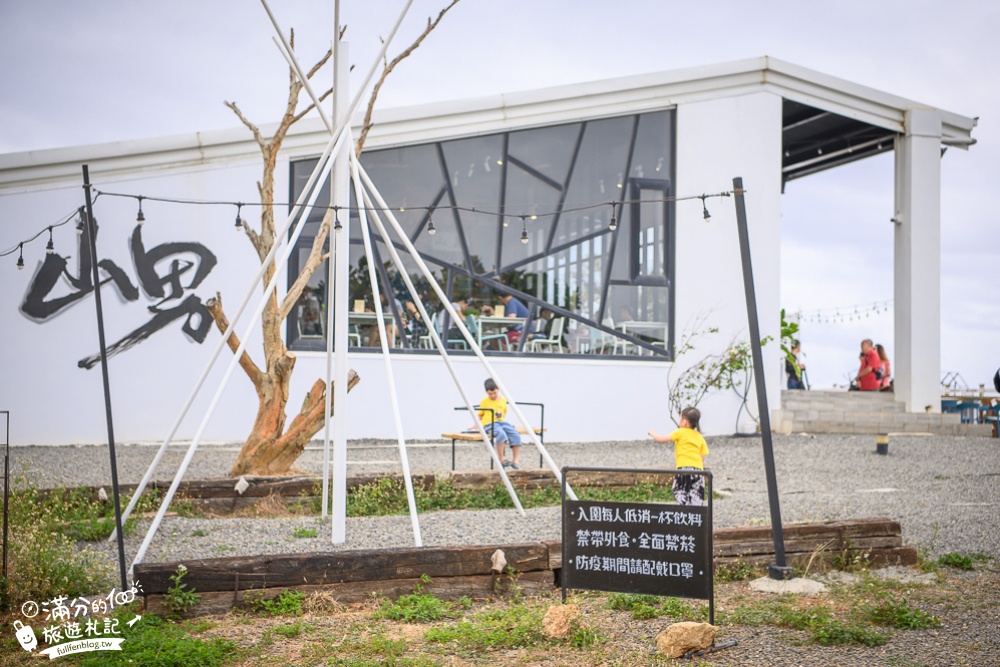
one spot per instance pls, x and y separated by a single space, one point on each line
558 621
677 639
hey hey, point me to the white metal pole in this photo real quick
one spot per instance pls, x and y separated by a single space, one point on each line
485 439
390 378
282 233
279 236
232 365
328 396
470 339
340 195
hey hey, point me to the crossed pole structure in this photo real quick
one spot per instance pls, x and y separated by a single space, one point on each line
338 163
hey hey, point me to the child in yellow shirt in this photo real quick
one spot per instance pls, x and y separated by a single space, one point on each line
690 449
494 422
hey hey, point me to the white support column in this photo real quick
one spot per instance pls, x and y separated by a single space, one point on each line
340 196
916 360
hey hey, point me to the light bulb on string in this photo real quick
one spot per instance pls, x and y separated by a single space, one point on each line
704 210
505 223
431 229
50 247
524 230
140 218
239 220
79 221
336 219
20 256
613 224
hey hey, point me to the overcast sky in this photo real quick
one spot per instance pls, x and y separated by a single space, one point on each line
95 71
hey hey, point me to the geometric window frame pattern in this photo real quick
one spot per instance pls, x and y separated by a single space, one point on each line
623 157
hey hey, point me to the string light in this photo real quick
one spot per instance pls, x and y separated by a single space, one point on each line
613 225
240 223
20 256
431 229
850 313
50 247
336 219
704 210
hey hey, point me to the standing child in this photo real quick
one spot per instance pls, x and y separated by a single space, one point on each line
690 449
502 431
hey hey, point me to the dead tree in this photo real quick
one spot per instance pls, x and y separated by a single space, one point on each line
273 446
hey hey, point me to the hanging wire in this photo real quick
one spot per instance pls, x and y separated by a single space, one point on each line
239 224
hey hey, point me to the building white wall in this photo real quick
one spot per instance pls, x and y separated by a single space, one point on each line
718 140
52 401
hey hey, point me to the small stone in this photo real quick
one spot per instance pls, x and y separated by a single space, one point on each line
242 485
677 639
559 619
102 495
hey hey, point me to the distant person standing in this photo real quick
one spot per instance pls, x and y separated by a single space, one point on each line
794 367
885 384
869 377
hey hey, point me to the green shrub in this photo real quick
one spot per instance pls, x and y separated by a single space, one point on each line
43 560
301 532
288 603
179 598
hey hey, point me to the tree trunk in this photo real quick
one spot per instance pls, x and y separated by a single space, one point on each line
270 449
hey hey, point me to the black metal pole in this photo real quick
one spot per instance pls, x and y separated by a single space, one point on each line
6 503
779 569
92 232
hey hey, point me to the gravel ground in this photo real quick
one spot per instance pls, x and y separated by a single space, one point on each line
942 507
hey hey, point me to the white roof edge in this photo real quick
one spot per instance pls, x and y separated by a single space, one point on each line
439 120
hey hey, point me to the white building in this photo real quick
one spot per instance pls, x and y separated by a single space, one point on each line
562 154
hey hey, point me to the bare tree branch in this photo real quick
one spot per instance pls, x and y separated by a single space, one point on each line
253 128
313 262
222 322
312 106
367 125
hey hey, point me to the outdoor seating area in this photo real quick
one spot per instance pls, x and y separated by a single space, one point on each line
984 410
495 332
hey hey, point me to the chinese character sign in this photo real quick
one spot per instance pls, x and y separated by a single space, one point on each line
167 273
654 549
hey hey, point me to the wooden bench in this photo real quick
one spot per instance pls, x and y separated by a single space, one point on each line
473 436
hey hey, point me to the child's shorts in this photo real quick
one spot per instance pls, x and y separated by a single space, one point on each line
689 489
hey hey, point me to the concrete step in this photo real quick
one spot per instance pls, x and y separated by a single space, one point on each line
827 401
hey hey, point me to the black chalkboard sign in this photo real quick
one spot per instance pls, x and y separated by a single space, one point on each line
641 548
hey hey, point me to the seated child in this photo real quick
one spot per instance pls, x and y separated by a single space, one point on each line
502 431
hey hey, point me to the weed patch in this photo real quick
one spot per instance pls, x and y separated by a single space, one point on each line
963 561
288 603
301 532
153 641
895 613
506 627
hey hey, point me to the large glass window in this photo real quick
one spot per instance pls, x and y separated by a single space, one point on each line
524 214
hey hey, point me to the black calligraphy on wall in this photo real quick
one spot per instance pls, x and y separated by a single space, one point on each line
167 273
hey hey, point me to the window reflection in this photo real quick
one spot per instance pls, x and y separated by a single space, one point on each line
584 288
